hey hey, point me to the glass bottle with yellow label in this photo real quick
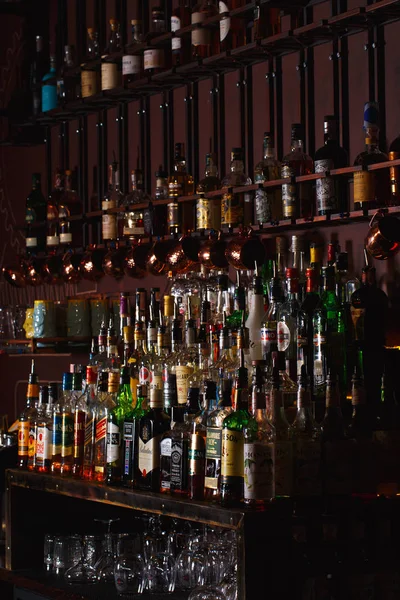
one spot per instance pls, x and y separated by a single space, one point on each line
26 416
232 451
208 210
297 199
111 200
180 217
236 208
371 188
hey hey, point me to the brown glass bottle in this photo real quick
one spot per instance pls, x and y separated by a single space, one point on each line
297 199
204 39
232 32
180 46
267 22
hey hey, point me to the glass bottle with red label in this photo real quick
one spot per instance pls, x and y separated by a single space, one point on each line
44 430
155 58
26 416
40 407
205 39
104 405
287 324
232 30
90 423
180 46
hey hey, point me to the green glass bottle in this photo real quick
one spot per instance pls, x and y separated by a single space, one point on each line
232 463
115 428
130 437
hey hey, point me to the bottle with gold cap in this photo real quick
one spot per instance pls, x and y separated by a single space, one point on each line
109 65
27 414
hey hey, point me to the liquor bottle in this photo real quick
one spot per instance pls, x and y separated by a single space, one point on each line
25 418
40 407
287 324
297 199
186 361
176 413
283 444
394 154
197 459
44 430
56 440
104 405
268 201
231 31
73 206
152 425
180 183
180 46
115 428
80 417
109 64
90 423
132 219
130 437
204 40
259 438
154 57
49 87
232 453
89 77
132 64
236 209
269 325
111 200
161 191
306 446
93 49
36 211
331 192
208 210
180 440
72 428
297 261
68 85
255 319
52 235
39 68
170 389
371 188
267 22
305 331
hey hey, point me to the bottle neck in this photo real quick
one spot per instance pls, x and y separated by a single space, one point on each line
237 166
211 171
297 145
269 151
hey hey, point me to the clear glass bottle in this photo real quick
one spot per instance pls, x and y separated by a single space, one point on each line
111 200
287 324
104 404
254 320
132 220
132 64
109 66
90 424
56 440
236 208
79 408
89 77
208 210
49 87
44 430
268 201
297 199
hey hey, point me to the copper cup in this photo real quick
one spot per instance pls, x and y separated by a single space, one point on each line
184 255
92 263
383 239
113 263
34 274
15 275
244 250
212 252
71 269
53 269
156 259
135 260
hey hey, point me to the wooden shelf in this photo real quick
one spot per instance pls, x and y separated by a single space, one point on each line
34 345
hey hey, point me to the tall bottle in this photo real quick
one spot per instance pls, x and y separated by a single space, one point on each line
89 77
49 87
24 425
36 212
268 201
255 319
56 440
298 200
394 154
305 332
236 208
371 188
180 46
332 192
287 324
34 425
104 405
208 210
115 428
154 57
130 437
204 39
38 70
90 424
109 65
232 453
132 64
44 430
72 431
111 200
269 325
180 183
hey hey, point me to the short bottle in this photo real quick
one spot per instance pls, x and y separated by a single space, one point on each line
44 430
236 208
297 199
268 201
25 418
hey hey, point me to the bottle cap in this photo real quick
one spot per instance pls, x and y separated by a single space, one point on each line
281 244
297 131
113 22
113 381
168 306
371 114
67 381
292 273
297 243
268 139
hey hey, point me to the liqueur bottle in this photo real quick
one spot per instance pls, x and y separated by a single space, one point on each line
180 46
298 200
115 429
90 424
154 57
236 208
208 210
25 418
268 201
204 39
44 430
56 440
104 405
109 65
130 439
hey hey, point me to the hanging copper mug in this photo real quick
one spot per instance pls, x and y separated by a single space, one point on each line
244 250
113 262
156 259
53 269
92 263
34 273
72 272
135 260
15 274
383 238
212 252
184 255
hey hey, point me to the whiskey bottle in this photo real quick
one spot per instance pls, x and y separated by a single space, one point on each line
111 200
56 440
268 202
232 453
236 208
204 39
371 188
104 405
394 154
176 413
132 219
255 318
180 183
180 46
132 64
180 440
73 429
90 424
297 199
115 428
109 65
208 210
36 211
44 430
232 33
154 57
33 426
89 77
25 418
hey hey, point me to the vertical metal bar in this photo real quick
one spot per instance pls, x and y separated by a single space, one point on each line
345 85
170 112
65 141
270 78
80 15
250 123
85 167
124 152
117 10
189 128
61 146
96 229
195 141
242 99
142 147
381 83
279 106
101 24
124 22
104 144
222 146
49 163
303 106
165 129
310 90
168 13
214 113
61 30
147 165
334 57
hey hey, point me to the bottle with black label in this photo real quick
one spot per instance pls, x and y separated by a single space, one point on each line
115 428
180 438
130 437
177 423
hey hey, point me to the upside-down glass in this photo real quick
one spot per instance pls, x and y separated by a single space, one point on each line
84 571
48 552
129 574
160 573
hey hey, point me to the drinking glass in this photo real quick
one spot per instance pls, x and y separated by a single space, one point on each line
105 564
48 551
129 574
207 592
59 555
19 320
191 565
160 573
83 571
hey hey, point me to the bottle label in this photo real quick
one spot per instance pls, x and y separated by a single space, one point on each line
23 438
149 455
202 35
179 457
325 188
56 438
65 238
197 454
232 454
307 468
337 468
89 432
263 206
213 457
288 194
109 227
165 459
232 209
32 441
101 429
31 242
144 376
269 333
67 435
153 59
52 240
283 469
43 445
108 204
109 76
176 42
79 432
156 397
131 64
283 334
182 379
88 83
225 23
364 187
173 214
49 97
203 213
128 446
258 471
113 442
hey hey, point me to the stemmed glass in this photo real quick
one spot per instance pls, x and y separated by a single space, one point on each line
105 565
